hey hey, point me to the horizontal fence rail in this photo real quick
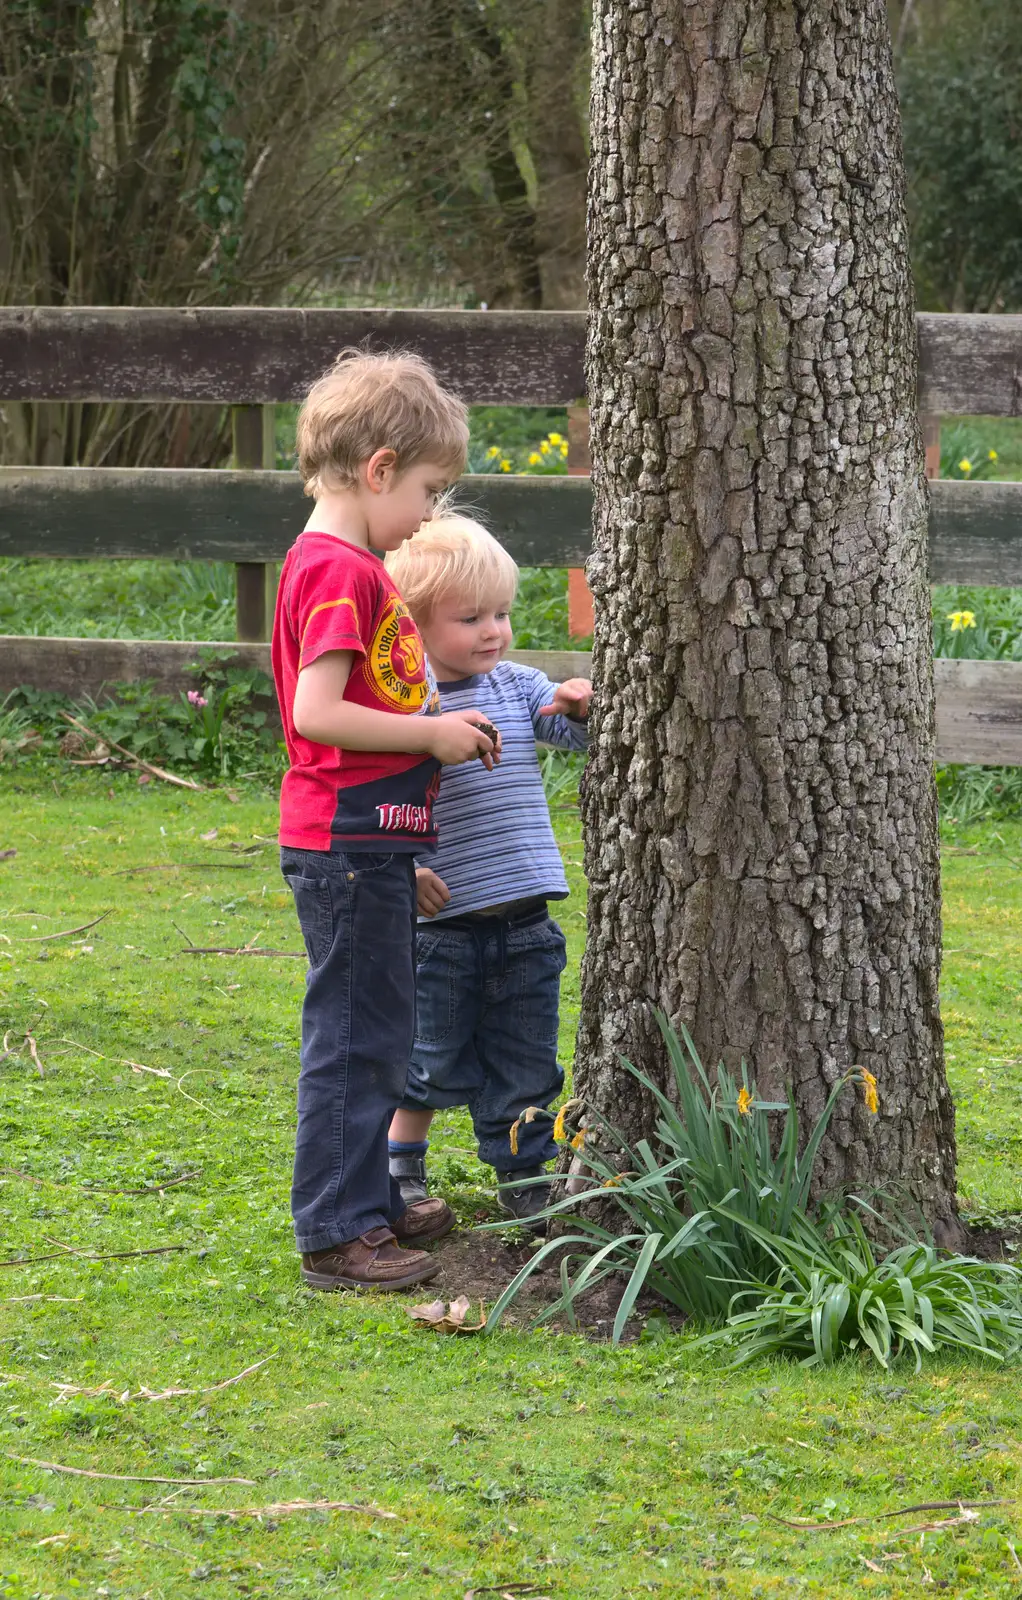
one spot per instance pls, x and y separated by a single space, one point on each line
263 355
197 514
979 703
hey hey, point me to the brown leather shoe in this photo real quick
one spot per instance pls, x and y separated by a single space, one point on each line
372 1261
424 1220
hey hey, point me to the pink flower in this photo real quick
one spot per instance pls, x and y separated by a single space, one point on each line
197 699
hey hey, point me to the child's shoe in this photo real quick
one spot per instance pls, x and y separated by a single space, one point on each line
524 1201
424 1221
410 1172
373 1261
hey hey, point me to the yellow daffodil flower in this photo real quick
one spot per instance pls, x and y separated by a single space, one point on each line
579 1139
564 450
991 455
960 620
545 448
869 1087
554 438
493 452
965 465
505 465
744 1102
534 459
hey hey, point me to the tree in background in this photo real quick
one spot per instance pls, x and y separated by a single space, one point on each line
486 146
200 152
174 152
759 805
960 81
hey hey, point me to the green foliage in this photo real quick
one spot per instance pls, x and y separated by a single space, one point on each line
16 731
512 433
117 599
718 1214
540 614
831 1296
699 1204
561 771
966 454
961 100
218 731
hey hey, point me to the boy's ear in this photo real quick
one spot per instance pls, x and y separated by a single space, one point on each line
379 470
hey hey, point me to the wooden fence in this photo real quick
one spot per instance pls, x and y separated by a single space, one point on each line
254 359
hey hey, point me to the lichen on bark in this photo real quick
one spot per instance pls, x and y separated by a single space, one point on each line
759 805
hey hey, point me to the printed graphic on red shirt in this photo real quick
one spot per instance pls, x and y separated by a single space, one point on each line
396 661
334 596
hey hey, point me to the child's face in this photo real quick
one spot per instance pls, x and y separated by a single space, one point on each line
400 502
463 637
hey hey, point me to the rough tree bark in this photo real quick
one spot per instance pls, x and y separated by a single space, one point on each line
759 805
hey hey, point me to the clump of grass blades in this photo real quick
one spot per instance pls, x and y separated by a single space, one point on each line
832 1296
718 1216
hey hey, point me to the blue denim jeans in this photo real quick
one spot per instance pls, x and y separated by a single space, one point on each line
357 914
487 996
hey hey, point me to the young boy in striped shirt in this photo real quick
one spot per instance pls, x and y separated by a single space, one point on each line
489 956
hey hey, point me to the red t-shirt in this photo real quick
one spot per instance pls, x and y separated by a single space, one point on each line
335 596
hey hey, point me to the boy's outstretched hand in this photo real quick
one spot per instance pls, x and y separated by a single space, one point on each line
571 699
431 892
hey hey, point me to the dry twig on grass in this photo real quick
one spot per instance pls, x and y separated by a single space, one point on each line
507 1591
71 1391
85 1188
28 1042
47 938
283 1508
119 1477
118 1061
906 1511
239 950
129 755
59 1299
110 1255
177 866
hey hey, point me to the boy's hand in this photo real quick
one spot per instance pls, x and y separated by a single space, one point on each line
458 736
571 699
431 892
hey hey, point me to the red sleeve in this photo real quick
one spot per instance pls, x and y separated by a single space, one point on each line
332 608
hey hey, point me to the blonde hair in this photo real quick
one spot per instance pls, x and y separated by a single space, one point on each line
451 556
369 402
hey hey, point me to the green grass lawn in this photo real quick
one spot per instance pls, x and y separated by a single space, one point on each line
532 1459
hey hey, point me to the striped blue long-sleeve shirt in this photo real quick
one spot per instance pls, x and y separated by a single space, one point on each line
495 839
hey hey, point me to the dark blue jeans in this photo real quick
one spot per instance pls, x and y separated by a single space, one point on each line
487 997
357 914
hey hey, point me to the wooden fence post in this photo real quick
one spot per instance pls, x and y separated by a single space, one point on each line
580 601
252 436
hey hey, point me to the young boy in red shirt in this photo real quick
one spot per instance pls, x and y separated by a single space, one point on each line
378 442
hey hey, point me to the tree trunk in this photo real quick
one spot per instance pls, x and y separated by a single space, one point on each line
759 805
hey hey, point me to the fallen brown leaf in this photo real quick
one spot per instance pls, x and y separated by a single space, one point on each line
449 1319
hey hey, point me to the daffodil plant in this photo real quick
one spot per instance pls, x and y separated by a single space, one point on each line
718 1219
